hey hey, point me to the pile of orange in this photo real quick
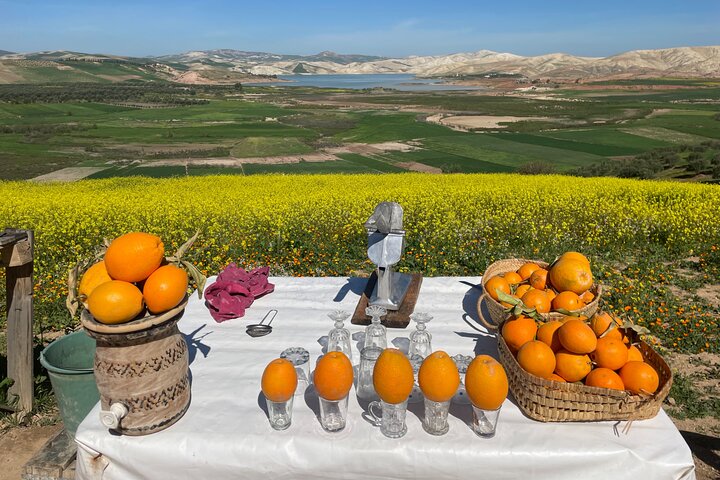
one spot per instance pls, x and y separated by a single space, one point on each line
595 351
131 277
564 286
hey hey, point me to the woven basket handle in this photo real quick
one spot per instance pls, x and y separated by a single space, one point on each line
487 323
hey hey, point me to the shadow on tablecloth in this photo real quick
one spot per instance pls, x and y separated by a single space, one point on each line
355 285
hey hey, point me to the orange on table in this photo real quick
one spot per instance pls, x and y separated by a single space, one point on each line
537 299
333 376
115 302
634 354
538 278
438 377
572 367
165 288
576 336
486 383
639 378
393 376
497 283
537 358
556 378
526 270
604 378
522 290
601 323
513 278
610 353
93 276
279 380
134 256
567 300
518 332
547 333
571 274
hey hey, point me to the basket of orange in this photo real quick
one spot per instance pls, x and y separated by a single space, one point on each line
577 369
544 291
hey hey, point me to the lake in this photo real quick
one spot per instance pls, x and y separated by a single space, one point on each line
398 81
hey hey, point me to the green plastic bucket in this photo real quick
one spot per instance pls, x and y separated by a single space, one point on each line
69 362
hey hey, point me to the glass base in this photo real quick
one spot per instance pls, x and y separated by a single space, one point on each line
436 432
280 425
395 434
333 423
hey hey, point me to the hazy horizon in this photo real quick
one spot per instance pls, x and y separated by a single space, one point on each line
401 29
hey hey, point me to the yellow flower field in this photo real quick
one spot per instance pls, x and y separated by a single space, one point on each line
312 225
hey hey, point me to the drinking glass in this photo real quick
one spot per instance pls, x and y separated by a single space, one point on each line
299 357
333 414
485 421
279 413
365 388
391 419
339 338
416 395
461 362
375 333
420 338
436 416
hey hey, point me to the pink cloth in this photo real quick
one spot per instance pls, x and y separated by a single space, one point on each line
235 290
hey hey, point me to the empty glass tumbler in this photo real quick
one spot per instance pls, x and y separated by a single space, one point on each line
416 395
435 421
279 413
365 388
333 414
391 419
485 421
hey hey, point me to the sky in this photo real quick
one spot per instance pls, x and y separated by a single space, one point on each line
386 28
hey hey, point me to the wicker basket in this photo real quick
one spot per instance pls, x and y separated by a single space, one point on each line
549 401
497 312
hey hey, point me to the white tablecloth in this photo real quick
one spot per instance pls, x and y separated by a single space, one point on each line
225 433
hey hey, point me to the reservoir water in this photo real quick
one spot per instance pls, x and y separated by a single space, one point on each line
398 81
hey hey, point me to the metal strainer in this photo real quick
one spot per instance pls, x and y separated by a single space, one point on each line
261 329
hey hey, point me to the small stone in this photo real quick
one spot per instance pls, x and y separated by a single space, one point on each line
671 401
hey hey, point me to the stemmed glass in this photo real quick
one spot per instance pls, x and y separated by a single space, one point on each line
462 362
339 338
416 396
420 338
375 333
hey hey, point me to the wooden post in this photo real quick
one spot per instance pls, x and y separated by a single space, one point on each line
16 247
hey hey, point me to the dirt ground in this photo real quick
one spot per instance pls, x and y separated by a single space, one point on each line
18 445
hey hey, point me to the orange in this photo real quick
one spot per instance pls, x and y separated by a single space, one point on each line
279 380
526 270
577 337
634 354
134 256
522 290
572 367
567 318
604 378
551 294
537 358
438 377
512 278
486 383
165 288
610 353
587 296
538 278
537 299
567 301
518 332
547 333
333 376
115 302
575 256
93 276
393 376
497 283
556 378
639 377
601 322
570 274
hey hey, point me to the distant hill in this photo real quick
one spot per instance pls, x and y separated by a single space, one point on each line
229 66
4 52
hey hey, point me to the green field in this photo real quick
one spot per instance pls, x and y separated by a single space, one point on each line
161 121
